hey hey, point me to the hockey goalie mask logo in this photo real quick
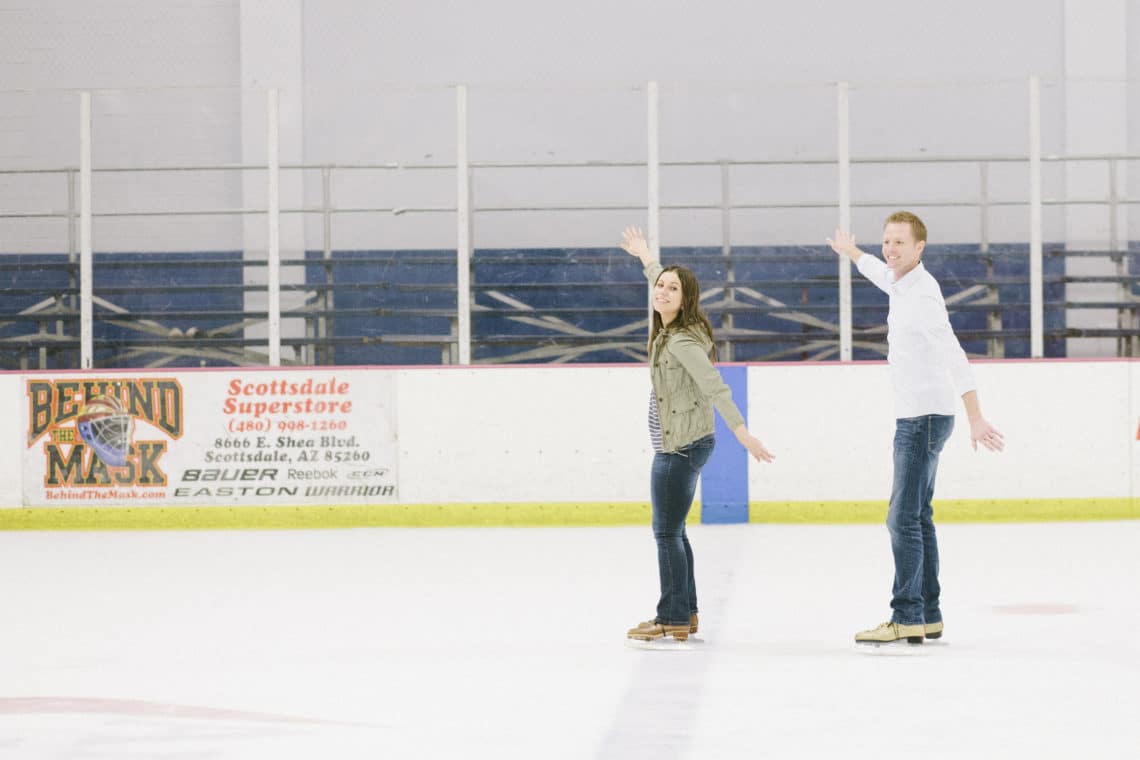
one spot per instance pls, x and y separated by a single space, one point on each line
101 433
105 426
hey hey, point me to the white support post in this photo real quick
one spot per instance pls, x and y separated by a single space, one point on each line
463 226
1036 284
273 257
654 222
86 311
727 321
844 125
653 190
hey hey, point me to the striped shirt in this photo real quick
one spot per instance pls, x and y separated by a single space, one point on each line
655 424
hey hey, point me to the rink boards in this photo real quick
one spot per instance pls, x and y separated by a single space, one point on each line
514 445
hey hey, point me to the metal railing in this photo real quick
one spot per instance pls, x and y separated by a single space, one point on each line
319 341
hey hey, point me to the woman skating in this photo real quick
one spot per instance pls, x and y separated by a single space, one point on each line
686 388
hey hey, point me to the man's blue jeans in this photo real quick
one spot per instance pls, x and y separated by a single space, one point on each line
918 442
673 482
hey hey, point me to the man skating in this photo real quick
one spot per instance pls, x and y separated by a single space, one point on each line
928 369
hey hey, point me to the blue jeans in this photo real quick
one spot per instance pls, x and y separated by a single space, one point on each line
918 442
673 482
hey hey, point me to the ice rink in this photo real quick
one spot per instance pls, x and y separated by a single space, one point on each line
509 643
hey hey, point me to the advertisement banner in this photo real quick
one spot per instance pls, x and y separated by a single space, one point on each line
232 438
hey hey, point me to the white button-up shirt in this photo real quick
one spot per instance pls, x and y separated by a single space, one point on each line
929 369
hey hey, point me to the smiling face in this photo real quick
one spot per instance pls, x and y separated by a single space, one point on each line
668 295
900 250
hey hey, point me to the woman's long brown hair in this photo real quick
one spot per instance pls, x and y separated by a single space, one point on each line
691 316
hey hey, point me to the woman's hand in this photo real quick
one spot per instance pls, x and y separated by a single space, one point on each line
633 243
752 443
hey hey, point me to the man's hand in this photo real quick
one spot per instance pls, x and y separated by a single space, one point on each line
844 245
984 433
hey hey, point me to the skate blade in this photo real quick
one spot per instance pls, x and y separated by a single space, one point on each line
665 644
900 648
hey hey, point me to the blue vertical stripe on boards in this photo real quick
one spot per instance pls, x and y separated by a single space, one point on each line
724 479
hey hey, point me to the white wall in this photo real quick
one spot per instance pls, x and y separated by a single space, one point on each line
1066 429
722 40
1096 117
557 434
1133 53
12 401
169 73
579 433
565 434
549 81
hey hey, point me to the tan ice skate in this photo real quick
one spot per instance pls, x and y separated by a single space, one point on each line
889 632
693 624
649 631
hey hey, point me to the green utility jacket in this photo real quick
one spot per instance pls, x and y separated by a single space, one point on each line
686 384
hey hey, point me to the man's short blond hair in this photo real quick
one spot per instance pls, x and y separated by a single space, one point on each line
917 228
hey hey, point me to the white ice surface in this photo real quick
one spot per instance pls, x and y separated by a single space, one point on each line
509 643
